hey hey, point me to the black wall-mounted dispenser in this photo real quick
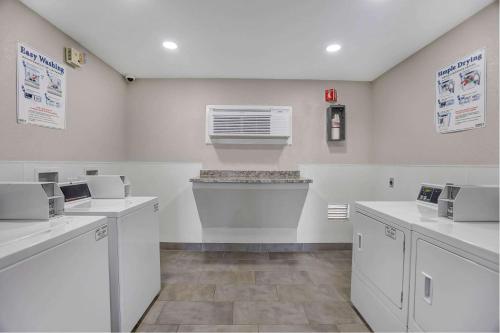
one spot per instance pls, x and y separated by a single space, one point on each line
335 122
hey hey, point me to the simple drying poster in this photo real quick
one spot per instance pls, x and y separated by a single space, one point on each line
461 93
41 89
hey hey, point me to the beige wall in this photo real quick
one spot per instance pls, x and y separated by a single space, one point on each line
95 98
388 121
166 122
403 100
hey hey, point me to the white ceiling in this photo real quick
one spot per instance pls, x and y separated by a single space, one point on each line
272 39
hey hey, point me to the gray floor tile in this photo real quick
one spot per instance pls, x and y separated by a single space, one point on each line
264 265
179 266
312 264
269 313
282 277
314 289
218 328
247 255
245 292
298 328
157 328
218 265
227 277
209 313
187 292
345 293
290 255
342 265
273 277
202 255
331 313
302 293
361 327
336 279
154 312
181 277
332 255
301 277
330 264
167 252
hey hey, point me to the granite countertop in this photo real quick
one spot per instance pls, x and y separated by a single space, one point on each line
250 177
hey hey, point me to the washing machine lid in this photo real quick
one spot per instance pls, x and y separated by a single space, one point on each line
21 239
108 207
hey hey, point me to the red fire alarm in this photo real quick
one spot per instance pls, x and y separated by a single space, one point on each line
330 95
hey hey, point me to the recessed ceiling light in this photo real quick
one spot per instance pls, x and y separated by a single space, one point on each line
169 45
333 48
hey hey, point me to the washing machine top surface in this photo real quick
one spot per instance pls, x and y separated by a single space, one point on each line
108 207
21 239
479 238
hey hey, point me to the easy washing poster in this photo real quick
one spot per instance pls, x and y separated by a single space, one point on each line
41 89
461 94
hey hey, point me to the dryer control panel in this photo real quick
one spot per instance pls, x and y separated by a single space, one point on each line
429 193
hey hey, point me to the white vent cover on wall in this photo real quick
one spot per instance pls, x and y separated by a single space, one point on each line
47 175
249 124
338 212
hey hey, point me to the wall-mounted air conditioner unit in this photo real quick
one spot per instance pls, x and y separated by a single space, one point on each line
248 124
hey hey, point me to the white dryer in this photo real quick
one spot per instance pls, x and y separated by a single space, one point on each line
401 241
381 257
381 264
53 271
454 280
134 249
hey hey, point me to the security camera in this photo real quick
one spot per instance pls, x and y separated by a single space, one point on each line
130 78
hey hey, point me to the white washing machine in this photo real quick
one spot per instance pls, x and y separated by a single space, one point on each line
53 271
385 252
134 249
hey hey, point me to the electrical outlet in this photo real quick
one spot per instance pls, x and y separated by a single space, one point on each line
391 182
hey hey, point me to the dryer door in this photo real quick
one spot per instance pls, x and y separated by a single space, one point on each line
453 293
379 255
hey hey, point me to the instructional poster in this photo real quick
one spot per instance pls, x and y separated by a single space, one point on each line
461 94
41 89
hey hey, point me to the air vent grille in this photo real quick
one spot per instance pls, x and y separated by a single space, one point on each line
338 211
249 122
258 123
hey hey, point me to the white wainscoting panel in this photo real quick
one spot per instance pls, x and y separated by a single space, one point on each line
332 183
179 220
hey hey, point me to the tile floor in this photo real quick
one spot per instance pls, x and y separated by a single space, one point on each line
254 292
